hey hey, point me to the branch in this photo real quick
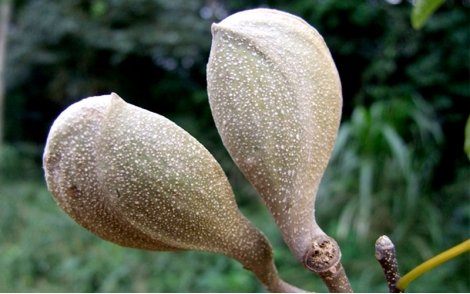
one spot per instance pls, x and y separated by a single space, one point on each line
385 255
324 259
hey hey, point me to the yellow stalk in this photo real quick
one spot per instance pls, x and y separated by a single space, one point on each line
432 263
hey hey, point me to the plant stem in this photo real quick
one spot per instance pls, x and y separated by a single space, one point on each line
386 256
433 262
324 259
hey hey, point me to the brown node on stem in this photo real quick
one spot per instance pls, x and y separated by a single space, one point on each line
323 254
324 259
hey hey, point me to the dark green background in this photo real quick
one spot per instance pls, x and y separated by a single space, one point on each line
398 167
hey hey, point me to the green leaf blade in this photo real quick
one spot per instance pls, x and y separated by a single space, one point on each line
422 10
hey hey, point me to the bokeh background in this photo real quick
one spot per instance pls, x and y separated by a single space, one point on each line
398 167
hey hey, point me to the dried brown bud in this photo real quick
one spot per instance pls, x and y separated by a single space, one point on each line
136 179
275 95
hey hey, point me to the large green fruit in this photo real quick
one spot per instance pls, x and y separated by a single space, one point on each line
136 179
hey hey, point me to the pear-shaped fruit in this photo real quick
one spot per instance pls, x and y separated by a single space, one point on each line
136 179
275 96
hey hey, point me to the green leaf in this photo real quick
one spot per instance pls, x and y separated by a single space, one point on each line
467 138
398 147
422 10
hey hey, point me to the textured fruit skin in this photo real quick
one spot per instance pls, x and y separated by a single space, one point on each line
276 99
137 179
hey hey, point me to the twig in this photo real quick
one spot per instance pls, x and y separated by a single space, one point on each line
324 259
386 256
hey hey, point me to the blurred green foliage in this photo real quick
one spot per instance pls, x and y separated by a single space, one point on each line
398 167
467 138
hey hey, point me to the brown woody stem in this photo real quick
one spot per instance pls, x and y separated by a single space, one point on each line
386 256
324 259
